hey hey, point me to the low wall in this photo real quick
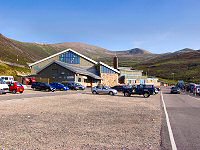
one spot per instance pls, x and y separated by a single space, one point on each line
109 79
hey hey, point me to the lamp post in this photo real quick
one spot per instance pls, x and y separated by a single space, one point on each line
173 76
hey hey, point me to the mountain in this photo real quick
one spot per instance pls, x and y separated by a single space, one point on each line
23 52
185 63
94 52
13 51
185 50
135 51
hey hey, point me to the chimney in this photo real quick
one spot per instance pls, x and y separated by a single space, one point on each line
115 62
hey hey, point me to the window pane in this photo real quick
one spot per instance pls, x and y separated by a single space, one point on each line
70 57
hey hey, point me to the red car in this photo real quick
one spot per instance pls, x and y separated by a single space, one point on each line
16 87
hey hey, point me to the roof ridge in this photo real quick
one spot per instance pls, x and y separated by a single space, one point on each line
69 49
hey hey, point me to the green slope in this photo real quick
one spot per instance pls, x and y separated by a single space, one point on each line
184 66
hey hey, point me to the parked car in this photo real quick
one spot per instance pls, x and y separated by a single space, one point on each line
190 87
156 91
42 86
142 89
16 87
196 89
74 85
181 84
175 90
119 88
103 90
3 86
158 88
2 92
7 79
59 86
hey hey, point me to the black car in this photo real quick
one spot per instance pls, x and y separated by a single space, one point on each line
74 85
190 87
142 89
175 90
119 88
42 86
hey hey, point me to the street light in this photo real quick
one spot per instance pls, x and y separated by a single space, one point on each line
173 76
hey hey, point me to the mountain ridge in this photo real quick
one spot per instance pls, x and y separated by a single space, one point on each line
184 63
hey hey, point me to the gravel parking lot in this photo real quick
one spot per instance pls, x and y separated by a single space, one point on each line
80 120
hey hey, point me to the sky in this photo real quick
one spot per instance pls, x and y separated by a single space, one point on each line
156 25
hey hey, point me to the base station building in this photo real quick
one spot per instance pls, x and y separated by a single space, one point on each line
70 65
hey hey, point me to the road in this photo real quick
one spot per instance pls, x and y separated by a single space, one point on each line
184 116
31 94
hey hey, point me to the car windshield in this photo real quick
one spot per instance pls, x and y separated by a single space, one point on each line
60 84
77 84
46 84
2 81
106 87
18 84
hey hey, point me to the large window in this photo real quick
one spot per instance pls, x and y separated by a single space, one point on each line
70 57
106 70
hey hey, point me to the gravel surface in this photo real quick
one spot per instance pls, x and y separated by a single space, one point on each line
81 121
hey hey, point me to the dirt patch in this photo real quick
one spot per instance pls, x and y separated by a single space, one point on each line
81 121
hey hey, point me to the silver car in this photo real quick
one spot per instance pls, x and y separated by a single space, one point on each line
103 90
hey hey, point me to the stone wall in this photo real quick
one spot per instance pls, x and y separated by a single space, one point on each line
109 79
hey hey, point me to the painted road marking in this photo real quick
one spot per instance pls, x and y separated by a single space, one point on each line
173 144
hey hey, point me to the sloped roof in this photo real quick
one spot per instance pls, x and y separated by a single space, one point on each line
103 64
74 69
83 56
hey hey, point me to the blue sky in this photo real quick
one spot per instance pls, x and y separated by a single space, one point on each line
156 25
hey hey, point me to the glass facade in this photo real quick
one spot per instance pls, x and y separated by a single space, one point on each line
106 70
70 57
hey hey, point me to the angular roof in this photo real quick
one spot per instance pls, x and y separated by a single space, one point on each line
74 69
103 64
83 56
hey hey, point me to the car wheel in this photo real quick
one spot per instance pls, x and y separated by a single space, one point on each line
94 92
14 91
62 89
127 94
146 94
20 92
111 93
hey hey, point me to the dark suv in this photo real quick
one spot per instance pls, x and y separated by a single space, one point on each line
42 86
142 89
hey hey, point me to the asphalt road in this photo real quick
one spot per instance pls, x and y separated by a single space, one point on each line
31 94
184 116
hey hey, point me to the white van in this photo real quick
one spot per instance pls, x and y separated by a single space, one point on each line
7 79
3 86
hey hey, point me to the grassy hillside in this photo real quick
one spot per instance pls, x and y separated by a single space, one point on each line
12 70
184 66
12 50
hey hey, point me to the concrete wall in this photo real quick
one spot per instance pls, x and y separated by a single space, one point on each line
109 79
